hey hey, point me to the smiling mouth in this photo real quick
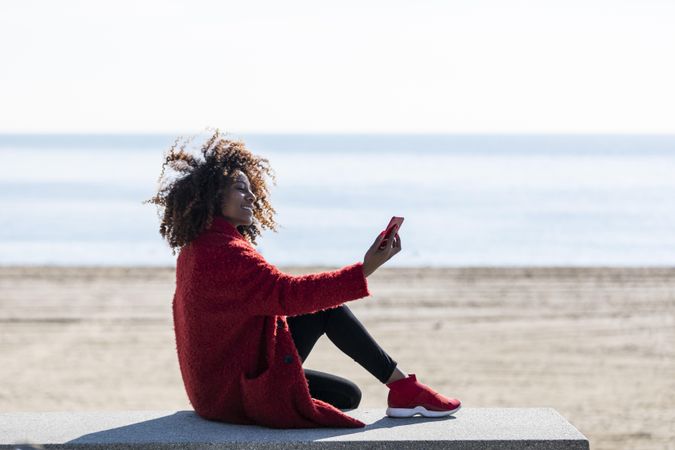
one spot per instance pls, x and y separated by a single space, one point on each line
247 208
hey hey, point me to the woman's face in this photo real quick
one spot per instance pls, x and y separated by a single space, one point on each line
237 206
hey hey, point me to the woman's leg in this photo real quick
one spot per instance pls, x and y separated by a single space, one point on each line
338 391
306 330
406 394
347 333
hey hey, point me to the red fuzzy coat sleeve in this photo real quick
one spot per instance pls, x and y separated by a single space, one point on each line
243 283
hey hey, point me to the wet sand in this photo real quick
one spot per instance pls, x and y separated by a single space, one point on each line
597 344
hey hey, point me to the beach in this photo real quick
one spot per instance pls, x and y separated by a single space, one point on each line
597 344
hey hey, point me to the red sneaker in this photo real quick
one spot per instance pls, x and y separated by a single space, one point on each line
408 397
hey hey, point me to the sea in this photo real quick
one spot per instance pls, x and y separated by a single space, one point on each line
467 200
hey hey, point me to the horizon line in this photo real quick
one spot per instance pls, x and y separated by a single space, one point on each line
337 133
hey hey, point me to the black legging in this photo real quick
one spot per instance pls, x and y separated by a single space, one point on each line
350 336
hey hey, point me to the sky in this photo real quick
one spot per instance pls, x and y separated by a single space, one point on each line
475 66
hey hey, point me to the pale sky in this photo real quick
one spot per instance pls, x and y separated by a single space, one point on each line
474 66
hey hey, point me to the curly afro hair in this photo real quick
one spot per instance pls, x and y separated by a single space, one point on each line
188 199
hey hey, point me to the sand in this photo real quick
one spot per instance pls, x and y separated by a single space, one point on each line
598 345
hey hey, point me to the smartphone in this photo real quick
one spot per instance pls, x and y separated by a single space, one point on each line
394 222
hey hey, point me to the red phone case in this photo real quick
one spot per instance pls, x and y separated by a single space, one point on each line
387 232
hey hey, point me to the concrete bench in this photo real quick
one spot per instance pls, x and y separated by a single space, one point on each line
471 428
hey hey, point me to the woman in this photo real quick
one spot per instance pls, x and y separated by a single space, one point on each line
244 328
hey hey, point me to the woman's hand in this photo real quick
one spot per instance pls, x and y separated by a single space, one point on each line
375 256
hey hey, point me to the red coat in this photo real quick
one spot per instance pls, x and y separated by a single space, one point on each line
236 355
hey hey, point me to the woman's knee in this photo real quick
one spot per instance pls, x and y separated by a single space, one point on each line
338 391
348 397
339 314
354 397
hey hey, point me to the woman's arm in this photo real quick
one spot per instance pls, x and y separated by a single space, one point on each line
249 285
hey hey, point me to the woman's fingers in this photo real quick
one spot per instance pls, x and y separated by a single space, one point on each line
387 246
395 241
378 240
395 246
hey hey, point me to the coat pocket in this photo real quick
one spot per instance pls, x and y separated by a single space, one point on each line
268 399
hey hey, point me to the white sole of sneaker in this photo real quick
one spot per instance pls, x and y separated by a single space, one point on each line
409 412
